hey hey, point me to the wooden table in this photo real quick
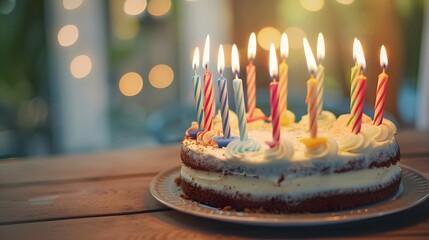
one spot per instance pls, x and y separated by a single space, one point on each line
106 196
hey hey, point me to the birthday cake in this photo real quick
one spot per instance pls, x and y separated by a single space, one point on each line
321 163
346 171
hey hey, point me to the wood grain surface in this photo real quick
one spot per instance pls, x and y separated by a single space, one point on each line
76 199
176 225
89 166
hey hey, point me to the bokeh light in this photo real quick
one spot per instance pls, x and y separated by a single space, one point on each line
159 7
80 66
312 5
268 35
295 36
130 84
68 35
161 76
71 4
345 2
134 7
7 6
126 28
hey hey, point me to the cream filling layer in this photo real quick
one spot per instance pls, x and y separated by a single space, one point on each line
295 188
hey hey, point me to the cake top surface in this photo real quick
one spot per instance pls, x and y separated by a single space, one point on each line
339 144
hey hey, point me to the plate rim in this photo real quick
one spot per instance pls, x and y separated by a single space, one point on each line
279 221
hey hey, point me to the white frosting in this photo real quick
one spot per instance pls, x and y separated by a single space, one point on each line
291 187
324 120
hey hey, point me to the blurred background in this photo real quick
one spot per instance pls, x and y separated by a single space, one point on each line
90 75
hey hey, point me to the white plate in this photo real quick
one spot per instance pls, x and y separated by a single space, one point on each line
413 190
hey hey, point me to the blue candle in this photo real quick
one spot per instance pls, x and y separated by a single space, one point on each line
223 95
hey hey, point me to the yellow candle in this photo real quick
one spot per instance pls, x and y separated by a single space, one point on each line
283 74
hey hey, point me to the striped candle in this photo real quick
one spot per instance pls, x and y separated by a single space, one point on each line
275 112
251 76
208 101
381 89
353 78
251 88
320 79
311 98
223 95
360 103
208 89
239 104
237 85
198 100
311 101
283 74
197 90
274 97
320 76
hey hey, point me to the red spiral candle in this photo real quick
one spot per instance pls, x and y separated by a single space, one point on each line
360 103
381 89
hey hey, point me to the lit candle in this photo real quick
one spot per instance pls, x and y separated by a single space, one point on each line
274 97
320 77
357 111
197 90
311 98
381 88
353 78
251 76
223 95
208 89
283 74
238 94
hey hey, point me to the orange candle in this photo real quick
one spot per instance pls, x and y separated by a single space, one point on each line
311 99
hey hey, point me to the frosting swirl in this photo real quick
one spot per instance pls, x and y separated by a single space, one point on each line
328 149
287 118
325 120
206 137
193 127
283 151
382 132
237 149
354 143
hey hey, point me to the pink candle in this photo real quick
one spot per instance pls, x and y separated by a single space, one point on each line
251 76
381 89
208 89
360 103
274 97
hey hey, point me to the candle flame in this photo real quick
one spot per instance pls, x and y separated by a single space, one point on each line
311 62
196 60
220 60
360 57
284 46
355 46
320 48
235 63
273 61
383 57
206 53
251 48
